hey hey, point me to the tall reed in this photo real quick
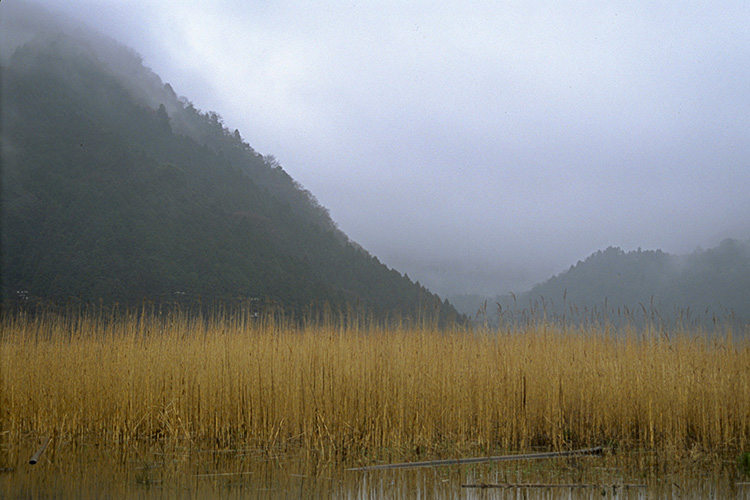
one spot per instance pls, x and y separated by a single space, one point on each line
352 391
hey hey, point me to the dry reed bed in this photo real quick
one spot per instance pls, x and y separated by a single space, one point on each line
350 393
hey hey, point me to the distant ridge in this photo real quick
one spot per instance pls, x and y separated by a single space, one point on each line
117 190
702 288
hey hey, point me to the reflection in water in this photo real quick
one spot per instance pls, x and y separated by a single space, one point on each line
157 471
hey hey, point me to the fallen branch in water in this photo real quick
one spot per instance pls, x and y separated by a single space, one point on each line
459 461
39 452
551 485
215 474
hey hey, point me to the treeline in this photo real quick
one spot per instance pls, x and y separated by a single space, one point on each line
117 190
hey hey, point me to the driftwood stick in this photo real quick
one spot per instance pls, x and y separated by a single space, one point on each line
459 461
552 485
216 474
39 452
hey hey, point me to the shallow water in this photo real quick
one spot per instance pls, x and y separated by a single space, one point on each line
158 471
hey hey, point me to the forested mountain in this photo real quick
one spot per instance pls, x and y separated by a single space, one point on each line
704 287
116 189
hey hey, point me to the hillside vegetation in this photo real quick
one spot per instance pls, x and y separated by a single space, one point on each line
116 189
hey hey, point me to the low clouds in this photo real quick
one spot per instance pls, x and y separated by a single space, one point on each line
481 146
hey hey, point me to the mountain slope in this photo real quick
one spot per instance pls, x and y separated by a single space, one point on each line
116 189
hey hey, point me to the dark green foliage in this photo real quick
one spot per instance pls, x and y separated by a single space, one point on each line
114 189
743 462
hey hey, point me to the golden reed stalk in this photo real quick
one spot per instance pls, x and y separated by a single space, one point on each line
351 392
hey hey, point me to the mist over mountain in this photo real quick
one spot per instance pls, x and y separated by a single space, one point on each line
703 288
116 189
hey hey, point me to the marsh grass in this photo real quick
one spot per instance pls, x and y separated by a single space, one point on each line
345 392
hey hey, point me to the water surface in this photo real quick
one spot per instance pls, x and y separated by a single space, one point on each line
70 470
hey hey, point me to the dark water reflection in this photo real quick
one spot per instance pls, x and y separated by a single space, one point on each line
72 471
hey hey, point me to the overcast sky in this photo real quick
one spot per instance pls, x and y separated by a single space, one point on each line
477 146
